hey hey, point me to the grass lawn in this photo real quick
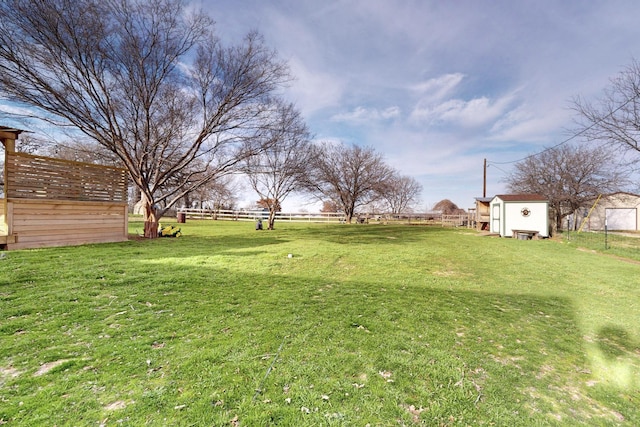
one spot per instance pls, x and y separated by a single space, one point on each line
379 325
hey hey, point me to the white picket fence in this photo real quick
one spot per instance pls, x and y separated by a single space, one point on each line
253 215
250 215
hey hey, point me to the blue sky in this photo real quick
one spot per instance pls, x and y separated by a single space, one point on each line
437 86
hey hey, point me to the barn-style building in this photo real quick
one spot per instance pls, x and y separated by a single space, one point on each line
618 211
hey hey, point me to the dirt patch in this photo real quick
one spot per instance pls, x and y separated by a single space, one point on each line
619 258
136 237
118 404
49 366
485 233
415 412
8 373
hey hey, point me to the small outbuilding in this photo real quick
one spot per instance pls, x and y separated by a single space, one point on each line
53 202
483 213
618 211
523 216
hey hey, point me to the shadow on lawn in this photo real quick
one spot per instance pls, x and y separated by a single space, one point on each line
516 351
191 245
333 233
518 359
365 234
188 246
615 342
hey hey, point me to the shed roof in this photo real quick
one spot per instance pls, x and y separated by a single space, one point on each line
11 130
7 128
522 197
623 193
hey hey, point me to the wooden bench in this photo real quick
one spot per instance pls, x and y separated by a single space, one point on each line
526 234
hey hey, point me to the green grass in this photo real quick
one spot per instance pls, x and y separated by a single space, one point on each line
624 244
364 325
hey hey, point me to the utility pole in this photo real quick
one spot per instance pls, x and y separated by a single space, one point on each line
484 180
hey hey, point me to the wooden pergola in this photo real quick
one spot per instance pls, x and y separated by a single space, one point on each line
56 202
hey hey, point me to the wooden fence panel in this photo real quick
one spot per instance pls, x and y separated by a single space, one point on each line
455 220
38 177
427 218
244 215
45 223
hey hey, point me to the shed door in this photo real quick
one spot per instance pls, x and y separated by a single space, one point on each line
621 218
495 217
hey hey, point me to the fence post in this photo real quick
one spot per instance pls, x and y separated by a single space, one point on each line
605 235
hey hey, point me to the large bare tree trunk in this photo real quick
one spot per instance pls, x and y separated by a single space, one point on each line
348 213
272 219
150 219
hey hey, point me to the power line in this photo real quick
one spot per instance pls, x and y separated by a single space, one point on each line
572 137
500 169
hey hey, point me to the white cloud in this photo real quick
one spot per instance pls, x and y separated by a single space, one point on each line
391 112
362 114
314 90
11 109
437 88
472 113
534 123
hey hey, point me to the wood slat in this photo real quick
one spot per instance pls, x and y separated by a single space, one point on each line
45 223
53 243
80 214
62 206
30 176
61 236
70 225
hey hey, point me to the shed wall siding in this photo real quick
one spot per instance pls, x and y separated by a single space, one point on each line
507 216
55 202
46 223
536 221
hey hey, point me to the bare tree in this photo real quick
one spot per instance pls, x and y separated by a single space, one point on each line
400 192
570 177
268 204
30 144
81 150
614 118
281 168
147 80
350 176
222 193
216 195
329 206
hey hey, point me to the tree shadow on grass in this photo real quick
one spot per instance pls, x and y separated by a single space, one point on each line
371 348
614 342
365 234
481 357
188 246
191 245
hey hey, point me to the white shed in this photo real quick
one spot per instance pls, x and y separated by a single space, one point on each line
520 215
